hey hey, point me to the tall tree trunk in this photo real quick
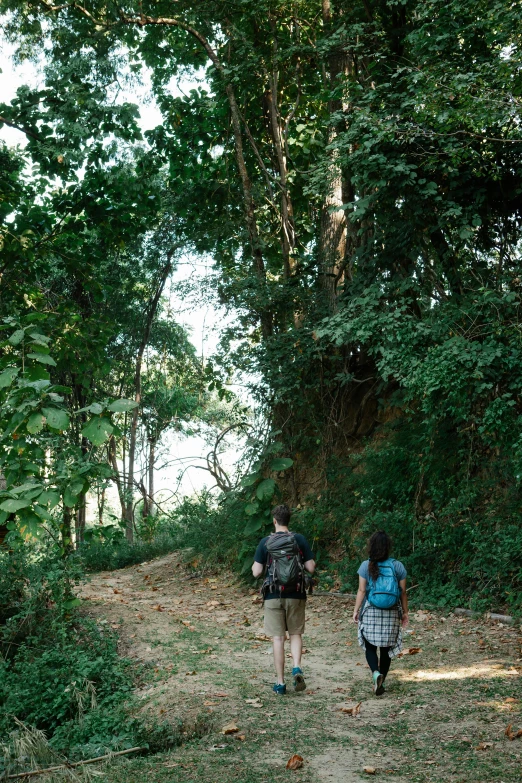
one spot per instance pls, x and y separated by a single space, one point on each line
80 519
332 244
116 477
149 318
152 457
66 531
278 137
101 505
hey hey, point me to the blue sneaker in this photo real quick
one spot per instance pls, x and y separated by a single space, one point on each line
279 689
377 680
299 680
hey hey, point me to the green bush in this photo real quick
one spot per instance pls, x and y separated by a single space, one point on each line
60 671
108 556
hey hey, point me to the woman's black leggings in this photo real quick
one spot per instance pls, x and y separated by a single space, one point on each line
382 666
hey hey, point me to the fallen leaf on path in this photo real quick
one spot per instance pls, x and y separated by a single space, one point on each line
158 608
339 690
295 762
512 734
185 622
241 737
353 711
254 702
139 617
261 637
410 651
213 603
369 770
484 745
190 674
230 728
210 703
116 591
511 700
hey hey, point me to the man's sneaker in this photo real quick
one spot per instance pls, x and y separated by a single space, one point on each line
279 689
378 680
299 680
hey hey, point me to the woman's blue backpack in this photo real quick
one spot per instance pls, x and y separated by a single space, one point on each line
384 592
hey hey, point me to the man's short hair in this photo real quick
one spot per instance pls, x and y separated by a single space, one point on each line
282 515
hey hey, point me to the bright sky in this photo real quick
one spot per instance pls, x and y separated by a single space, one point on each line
203 322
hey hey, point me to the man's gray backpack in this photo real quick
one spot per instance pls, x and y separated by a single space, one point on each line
285 571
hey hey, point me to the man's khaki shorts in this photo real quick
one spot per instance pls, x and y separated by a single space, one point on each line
284 614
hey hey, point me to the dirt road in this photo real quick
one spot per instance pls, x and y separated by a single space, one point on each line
442 718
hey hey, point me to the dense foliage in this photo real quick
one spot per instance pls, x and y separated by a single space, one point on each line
354 171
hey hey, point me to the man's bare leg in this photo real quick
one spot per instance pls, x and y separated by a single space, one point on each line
296 648
278 644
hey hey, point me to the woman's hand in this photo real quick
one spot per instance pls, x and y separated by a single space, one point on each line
356 616
405 619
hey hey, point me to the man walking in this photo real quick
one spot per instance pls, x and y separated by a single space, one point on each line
288 559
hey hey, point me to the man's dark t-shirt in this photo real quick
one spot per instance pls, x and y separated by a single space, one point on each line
261 556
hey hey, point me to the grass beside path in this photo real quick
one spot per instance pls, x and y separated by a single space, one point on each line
442 718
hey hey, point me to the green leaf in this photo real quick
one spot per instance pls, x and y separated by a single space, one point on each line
36 373
42 358
252 526
69 499
42 512
3 517
281 463
247 481
56 418
119 406
266 489
31 494
41 339
12 505
251 508
35 423
21 488
75 488
7 377
49 497
17 337
72 603
97 430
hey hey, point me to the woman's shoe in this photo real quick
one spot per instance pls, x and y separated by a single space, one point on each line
279 689
378 680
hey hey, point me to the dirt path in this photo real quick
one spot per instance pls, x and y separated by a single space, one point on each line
442 718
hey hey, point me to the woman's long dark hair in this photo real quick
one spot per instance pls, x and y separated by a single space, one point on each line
379 547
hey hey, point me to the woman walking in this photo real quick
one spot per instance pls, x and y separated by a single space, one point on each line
381 607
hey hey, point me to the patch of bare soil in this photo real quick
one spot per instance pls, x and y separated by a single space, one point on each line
443 716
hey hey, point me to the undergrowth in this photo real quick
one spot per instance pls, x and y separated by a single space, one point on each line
453 515
60 671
